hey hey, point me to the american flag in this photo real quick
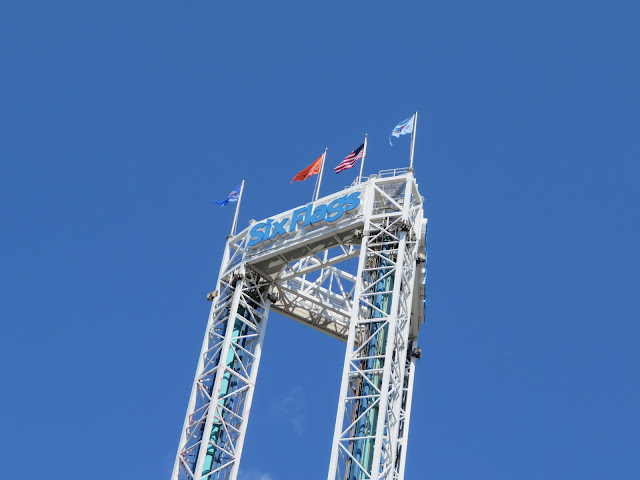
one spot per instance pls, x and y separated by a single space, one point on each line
351 159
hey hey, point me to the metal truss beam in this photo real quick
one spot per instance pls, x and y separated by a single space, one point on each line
372 423
313 277
214 429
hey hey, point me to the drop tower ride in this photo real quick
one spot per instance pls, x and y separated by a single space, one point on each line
351 265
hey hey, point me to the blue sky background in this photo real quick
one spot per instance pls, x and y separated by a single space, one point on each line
121 122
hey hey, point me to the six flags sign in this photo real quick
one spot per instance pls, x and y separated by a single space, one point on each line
304 216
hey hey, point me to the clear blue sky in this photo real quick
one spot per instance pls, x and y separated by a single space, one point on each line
121 122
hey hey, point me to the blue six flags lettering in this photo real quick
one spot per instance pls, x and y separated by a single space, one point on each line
308 215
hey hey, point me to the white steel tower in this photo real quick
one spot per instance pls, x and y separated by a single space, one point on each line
302 264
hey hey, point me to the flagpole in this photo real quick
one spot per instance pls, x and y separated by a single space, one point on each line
413 138
324 157
364 154
315 186
235 218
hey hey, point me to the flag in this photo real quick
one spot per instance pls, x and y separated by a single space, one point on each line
404 127
351 159
312 169
232 197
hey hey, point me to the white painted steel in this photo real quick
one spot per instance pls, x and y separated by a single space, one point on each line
364 155
396 216
192 398
220 371
240 307
319 182
413 139
308 275
235 217
406 416
351 342
249 400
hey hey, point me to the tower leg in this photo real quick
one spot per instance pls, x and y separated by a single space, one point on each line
218 411
370 430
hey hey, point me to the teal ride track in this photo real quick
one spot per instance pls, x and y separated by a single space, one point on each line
234 358
362 448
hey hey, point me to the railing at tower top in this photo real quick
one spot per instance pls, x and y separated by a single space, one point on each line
392 172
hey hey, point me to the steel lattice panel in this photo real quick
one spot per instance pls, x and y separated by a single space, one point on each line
359 279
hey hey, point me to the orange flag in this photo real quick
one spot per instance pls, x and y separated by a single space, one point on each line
312 169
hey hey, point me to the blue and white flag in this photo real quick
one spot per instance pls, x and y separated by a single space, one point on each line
232 197
404 127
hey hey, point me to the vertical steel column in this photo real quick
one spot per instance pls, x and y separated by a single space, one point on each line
403 435
338 434
220 372
217 415
382 460
396 421
191 433
368 439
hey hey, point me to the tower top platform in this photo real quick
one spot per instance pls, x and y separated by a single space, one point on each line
304 253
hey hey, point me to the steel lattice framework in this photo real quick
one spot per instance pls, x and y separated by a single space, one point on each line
310 274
